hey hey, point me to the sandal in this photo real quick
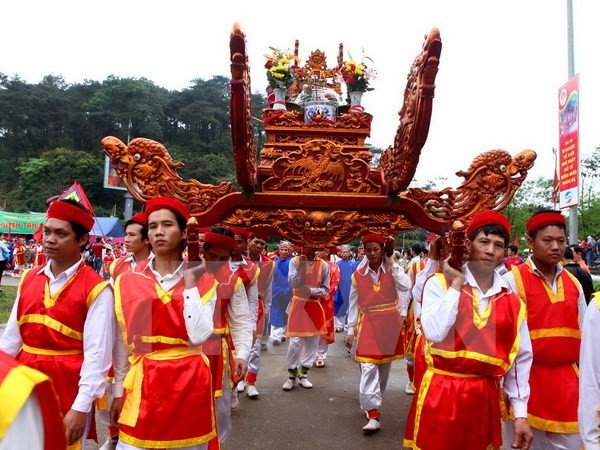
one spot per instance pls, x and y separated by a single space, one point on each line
320 363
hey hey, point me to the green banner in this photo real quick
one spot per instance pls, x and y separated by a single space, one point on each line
19 223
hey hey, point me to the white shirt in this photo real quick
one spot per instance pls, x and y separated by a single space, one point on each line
401 281
251 292
589 379
440 308
198 319
98 333
294 278
27 430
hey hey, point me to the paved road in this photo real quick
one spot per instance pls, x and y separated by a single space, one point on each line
326 416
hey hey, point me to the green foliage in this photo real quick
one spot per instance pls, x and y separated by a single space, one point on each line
7 299
50 133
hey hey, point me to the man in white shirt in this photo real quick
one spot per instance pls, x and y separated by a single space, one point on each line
165 313
475 333
62 322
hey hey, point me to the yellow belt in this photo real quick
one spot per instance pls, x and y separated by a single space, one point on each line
384 307
44 351
454 374
135 376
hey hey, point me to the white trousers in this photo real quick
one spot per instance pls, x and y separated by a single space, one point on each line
254 358
322 350
302 351
277 333
373 381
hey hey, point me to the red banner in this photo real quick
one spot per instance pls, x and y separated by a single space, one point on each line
568 150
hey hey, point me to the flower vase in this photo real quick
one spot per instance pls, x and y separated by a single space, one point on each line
355 97
280 95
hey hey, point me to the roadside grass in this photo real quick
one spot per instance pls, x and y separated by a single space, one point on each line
7 298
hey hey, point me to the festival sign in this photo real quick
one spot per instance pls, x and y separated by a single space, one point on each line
111 179
19 223
568 134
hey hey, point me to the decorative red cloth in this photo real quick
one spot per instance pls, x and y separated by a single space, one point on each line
460 388
70 213
167 203
152 324
220 240
372 237
484 218
543 219
140 218
555 339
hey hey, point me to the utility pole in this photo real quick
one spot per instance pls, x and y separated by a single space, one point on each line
573 219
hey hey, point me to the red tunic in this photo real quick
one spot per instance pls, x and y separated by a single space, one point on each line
379 325
460 387
169 380
52 328
265 278
17 383
219 345
555 339
328 302
410 332
306 316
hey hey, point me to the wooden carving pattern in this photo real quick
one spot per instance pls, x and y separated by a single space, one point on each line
320 166
314 185
148 171
490 183
244 154
399 163
318 228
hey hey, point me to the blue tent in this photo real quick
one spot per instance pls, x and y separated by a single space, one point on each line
107 226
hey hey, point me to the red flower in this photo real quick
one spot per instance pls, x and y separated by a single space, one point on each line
268 64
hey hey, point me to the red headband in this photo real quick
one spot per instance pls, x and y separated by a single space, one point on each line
543 219
70 213
484 218
203 229
167 203
240 232
372 237
140 218
220 240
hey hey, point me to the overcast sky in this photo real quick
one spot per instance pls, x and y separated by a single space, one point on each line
501 67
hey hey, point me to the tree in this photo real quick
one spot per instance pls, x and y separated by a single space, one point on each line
54 171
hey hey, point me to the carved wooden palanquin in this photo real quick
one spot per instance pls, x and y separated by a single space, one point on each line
314 184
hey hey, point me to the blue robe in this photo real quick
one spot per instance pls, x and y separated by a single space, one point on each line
342 295
281 292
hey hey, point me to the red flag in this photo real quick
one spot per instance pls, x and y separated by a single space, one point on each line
516 242
555 186
38 233
75 192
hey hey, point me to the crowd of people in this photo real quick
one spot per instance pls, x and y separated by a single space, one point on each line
498 350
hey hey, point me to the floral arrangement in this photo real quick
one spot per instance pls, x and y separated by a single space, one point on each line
356 75
279 68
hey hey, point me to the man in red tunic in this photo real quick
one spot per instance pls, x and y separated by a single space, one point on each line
136 243
555 305
328 308
62 322
375 323
475 333
165 314
309 278
229 345
256 247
